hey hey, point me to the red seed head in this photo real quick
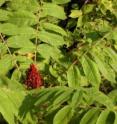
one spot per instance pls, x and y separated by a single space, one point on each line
33 78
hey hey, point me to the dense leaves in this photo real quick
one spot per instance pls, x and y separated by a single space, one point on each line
73 45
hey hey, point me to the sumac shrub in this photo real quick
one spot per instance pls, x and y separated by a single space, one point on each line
73 45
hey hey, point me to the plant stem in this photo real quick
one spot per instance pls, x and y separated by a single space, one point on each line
36 45
37 29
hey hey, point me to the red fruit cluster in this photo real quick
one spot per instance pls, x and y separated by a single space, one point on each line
33 78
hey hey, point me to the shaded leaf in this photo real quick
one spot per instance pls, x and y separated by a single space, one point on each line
63 116
103 117
91 71
55 28
51 38
6 63
89 117
74 77
103 67
4 15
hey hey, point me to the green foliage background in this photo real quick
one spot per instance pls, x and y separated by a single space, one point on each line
74 46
